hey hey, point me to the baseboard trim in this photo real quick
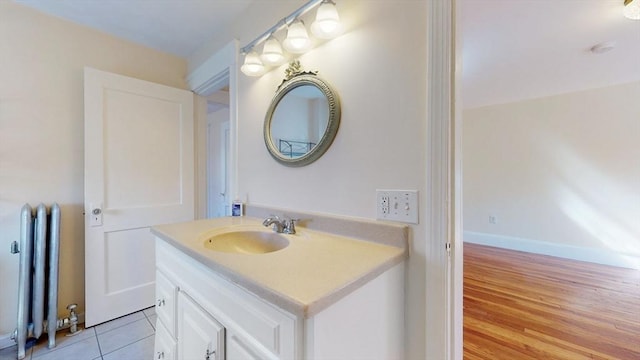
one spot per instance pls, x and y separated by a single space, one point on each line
5 341
593 255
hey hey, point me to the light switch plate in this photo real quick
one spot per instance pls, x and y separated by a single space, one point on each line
397 205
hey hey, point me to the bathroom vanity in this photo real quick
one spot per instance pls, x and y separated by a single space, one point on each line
310 295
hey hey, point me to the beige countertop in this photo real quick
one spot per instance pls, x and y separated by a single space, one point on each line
316 269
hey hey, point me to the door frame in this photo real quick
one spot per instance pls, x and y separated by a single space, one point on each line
213 74
444 329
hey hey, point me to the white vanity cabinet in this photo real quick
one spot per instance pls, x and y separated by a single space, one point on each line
205 315
166 296
200 336
184 330
212 314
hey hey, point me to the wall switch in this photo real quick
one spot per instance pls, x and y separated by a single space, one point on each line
397 205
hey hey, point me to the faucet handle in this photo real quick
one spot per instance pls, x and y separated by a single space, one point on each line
289 226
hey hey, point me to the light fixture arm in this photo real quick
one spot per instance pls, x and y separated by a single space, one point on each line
281 24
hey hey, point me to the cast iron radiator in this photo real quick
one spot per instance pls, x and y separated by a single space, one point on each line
38 277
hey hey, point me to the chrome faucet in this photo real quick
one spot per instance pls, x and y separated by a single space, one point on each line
278 225
275 222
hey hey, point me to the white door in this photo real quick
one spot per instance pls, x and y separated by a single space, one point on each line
139 172
200 336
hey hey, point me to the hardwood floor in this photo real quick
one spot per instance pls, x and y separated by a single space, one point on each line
521 306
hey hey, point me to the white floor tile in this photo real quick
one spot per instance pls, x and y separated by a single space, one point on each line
142 350
124 335
116 323
86 349
130 337
149 311
152 319
61 341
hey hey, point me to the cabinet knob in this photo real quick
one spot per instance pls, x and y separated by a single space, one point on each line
160 302
160 354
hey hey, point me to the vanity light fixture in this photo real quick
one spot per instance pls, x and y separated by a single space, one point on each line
326 26
297 41
631 9
252 65
272 52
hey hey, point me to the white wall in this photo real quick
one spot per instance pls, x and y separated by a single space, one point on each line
41 130
561 175
378 67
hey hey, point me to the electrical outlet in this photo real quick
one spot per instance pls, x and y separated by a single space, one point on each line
397 205
492 220
384 204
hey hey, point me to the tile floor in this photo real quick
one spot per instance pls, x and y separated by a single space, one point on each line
127 338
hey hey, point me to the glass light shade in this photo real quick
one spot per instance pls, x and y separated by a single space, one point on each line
272 52
632 10
327 24
297 40
252 65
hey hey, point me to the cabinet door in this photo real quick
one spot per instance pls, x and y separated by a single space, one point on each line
200 336
165 346
238 349
166 302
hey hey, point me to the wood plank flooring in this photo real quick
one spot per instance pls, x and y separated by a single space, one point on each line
521 306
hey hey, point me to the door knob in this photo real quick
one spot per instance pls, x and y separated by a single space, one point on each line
95 215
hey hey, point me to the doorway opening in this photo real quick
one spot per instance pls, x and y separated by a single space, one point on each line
218 153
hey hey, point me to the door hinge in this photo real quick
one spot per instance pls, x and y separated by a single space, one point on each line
447 246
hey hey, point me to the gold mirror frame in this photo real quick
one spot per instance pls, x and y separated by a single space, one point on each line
293 81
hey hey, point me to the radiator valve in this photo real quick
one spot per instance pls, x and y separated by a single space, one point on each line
73 320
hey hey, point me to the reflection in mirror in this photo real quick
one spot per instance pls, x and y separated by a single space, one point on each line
293 135
302 120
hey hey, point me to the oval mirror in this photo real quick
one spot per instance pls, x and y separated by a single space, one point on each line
302 120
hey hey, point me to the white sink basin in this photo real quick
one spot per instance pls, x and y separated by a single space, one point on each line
247 242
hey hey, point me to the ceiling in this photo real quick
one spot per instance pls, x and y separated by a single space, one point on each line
178 27
521 49
512 49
